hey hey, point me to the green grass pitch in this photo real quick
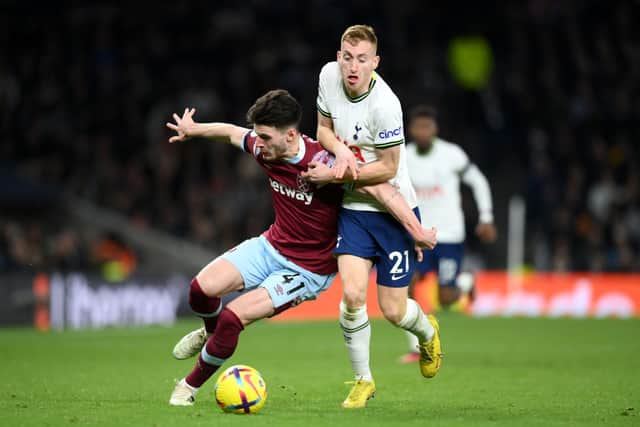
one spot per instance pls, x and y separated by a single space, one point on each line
508 372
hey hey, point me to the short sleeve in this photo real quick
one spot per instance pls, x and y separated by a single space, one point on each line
321 102
249 143
387 122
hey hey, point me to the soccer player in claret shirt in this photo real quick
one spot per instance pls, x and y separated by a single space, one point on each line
356 107
291 262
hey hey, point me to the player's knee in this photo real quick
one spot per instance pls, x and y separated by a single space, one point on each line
394 313
200 284
199 301
353 297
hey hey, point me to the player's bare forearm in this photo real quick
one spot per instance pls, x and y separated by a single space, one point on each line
374 173
186 128
393 201
324 175
328 139
382 170
222 132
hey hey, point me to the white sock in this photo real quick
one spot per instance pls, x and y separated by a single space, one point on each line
357 337
413 341
416 322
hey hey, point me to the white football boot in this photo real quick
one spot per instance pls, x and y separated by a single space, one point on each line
190 344
183 394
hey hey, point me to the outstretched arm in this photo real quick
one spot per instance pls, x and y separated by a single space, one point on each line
186 129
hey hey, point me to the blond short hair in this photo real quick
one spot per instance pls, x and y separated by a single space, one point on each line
358 33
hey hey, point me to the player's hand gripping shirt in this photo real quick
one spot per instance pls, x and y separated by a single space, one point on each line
370 122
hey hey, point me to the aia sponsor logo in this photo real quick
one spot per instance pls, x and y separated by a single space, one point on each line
429 192
357 152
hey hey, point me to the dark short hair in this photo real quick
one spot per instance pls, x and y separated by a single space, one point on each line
275 108
423 111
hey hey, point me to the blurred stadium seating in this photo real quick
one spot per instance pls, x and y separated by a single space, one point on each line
543 95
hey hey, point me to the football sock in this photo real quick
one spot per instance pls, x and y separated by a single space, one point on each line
204 306
416 322
413 341
357 337
219 347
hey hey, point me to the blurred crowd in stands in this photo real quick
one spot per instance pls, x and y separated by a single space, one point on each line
84 98
30 244
50 244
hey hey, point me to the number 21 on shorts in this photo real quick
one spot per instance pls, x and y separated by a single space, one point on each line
401 264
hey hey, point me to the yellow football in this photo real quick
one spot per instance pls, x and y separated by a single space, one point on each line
241 390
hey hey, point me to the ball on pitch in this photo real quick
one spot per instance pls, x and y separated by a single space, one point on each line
241 390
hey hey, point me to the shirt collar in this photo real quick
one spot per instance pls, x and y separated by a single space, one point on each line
302 150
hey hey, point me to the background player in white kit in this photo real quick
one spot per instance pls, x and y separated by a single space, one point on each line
355 105
436 168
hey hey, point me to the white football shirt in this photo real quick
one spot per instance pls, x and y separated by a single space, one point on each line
436 178
370 122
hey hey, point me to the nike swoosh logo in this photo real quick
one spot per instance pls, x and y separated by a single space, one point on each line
394 277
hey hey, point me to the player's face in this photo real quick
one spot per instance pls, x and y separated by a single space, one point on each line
357 63
422 130
273 143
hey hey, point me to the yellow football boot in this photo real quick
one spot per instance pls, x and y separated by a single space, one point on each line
361 391
431 352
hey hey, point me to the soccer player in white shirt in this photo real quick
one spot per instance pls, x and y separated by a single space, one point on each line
357 108
436 168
